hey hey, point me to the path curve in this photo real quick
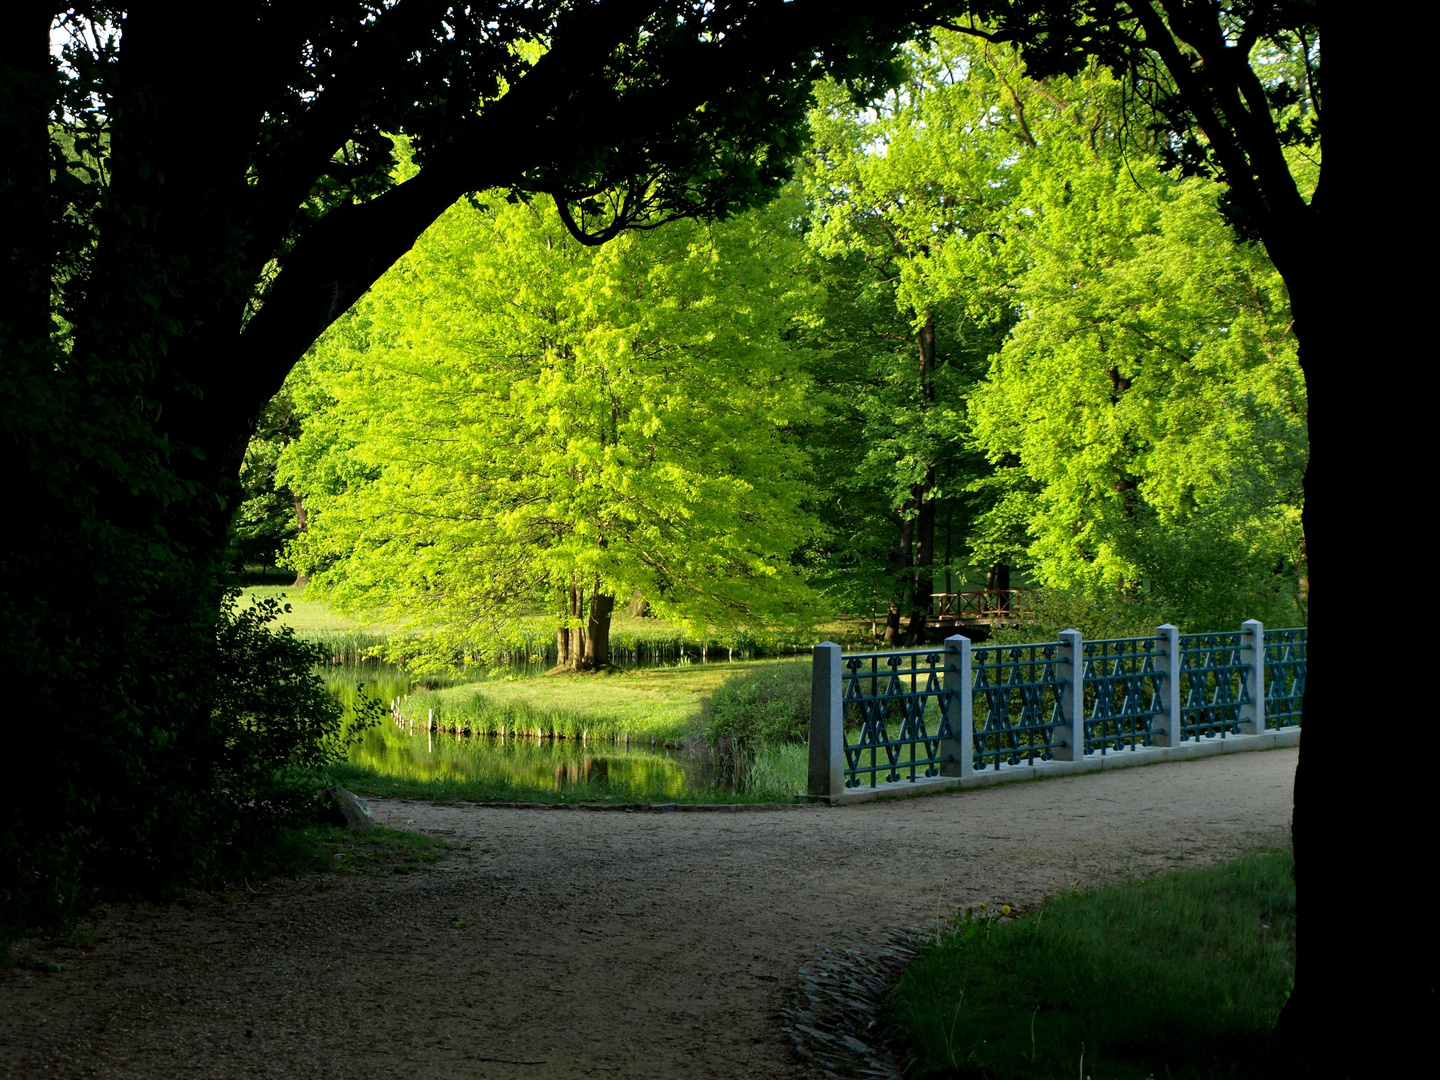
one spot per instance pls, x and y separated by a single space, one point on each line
597 944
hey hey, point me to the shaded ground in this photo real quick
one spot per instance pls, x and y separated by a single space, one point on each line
594 944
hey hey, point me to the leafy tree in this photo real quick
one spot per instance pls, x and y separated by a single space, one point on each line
511 414
897 189
157 288
1150 394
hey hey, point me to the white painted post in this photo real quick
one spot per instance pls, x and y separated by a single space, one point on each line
961 745
1072 698
1165 729
827 733
1252 641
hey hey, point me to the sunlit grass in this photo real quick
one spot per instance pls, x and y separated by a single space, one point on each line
643 703
1182 976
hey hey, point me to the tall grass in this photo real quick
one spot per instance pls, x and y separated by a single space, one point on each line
1182 976
777 772
641 704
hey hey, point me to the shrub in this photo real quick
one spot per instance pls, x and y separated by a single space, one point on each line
765 705
278 725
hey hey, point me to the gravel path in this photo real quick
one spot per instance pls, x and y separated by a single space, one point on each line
597 944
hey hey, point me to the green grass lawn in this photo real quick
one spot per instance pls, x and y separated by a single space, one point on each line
304 614
1178 977
660 703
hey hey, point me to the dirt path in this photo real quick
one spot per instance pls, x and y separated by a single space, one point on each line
597 944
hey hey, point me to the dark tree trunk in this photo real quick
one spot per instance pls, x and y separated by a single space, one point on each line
892 624
597 630
570 637
904 561
998 579
302 526
924 580
922 586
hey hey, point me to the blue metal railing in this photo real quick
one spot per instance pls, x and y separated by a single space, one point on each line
1123 689
1016 695
1284 676
904 715
1213 687
888 697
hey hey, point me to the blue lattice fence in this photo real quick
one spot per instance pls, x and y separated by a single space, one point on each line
1284 676
957 710
1214 688
896 705
1016 703
1123 693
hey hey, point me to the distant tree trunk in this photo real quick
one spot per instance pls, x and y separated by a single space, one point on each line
949 550
904 560
892 624
302 526
924 587
597 630
570 636
639 607
999 579
923 499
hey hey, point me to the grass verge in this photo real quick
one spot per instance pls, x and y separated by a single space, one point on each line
1180 977
645 703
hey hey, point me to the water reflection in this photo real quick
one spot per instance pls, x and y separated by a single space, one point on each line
528 763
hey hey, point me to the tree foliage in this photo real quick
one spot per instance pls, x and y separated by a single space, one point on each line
181 220
1141 426
897 188
511 416
1150 398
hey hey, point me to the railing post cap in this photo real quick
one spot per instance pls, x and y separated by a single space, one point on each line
1165 626
957 638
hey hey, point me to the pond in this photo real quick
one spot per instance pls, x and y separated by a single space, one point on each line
514 766
524 767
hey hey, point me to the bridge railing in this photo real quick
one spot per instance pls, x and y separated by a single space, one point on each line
886 721
981 603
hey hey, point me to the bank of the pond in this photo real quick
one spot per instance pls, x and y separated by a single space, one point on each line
386 762
1181 976
626 735
660 704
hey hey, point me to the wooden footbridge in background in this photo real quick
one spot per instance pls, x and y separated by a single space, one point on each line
977 612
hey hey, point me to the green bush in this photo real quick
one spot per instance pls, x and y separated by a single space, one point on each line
214 736
278 725
766 705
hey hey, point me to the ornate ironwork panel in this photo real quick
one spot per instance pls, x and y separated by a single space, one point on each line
887 696
1122 689
1212 685
1284 676
1016 695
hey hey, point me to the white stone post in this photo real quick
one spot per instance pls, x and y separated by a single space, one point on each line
961 707
827 730
1071 671
1252 641
1165 728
